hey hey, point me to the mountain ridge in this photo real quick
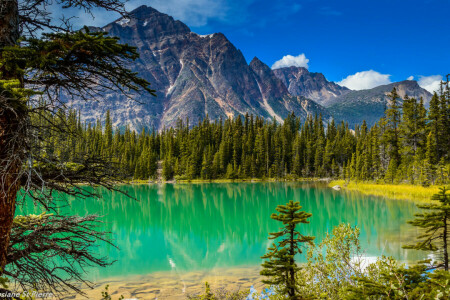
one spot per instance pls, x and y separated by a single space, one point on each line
206 75
194 76
312 85
370 104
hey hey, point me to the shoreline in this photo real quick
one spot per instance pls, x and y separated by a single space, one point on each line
403 192
142 181
176 285
408 192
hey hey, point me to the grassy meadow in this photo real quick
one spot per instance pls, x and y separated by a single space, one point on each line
393 191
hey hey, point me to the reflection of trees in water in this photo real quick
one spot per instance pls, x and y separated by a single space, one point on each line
206 225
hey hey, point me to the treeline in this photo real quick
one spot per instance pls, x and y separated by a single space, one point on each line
409 144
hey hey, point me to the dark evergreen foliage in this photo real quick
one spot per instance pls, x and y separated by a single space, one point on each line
44 64
280 267
435 223
401 147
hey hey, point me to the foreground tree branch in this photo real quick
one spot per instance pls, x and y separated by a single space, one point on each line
36 240
43 64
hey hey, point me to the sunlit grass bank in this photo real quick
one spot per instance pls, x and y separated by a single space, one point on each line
393 191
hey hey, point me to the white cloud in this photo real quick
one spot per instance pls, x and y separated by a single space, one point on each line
365 80
430 83
410 78
289 60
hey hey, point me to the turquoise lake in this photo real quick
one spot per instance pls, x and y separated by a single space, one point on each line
189 227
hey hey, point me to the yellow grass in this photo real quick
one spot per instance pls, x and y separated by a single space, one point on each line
393 191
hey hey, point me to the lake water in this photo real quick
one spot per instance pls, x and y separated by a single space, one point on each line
182 228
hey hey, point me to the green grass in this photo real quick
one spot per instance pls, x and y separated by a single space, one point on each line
393 191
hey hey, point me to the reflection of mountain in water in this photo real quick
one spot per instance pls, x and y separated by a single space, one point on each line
202 226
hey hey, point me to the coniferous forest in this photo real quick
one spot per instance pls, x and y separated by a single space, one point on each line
409 144
54 166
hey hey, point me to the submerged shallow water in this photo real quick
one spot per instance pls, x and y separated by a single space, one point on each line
214 226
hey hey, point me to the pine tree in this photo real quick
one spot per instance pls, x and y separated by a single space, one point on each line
230 174
436 226
228 149
206 166
328 159
430 159
435 128
167 167
391 133
445 115
412 128
280 266
391 171
109 132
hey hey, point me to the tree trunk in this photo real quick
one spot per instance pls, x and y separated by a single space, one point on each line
445 243
292 262
9 27
9 186
11 152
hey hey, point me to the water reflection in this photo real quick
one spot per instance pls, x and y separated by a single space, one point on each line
203 226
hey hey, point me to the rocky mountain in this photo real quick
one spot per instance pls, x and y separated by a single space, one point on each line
194 76
206 75
369 105
300 82
343 103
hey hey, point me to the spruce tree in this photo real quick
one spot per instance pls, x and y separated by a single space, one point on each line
445 113
168 168
412 127
391 133
108 132
436 225
280 266
430 160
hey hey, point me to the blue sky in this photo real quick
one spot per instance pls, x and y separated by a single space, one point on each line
357 43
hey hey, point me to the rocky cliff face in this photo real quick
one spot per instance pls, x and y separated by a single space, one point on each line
199 75
301 82
194 76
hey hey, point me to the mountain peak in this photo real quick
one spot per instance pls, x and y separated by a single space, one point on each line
370 104
256 63
409 83
255 60
194 76
301 82
146 19
143 8
412 89
144 12
293 69
405 87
